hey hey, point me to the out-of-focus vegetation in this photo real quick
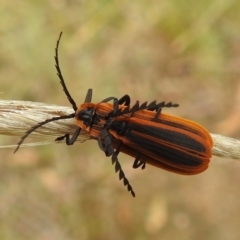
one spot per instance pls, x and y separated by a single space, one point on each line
187 52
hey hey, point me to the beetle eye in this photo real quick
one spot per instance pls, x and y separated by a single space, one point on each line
86 115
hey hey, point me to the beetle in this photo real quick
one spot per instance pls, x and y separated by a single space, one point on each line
142 131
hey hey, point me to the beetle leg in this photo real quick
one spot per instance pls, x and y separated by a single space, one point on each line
72 140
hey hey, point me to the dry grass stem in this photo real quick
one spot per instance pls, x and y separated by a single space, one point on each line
16 117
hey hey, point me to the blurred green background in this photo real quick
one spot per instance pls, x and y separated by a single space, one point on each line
187 52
